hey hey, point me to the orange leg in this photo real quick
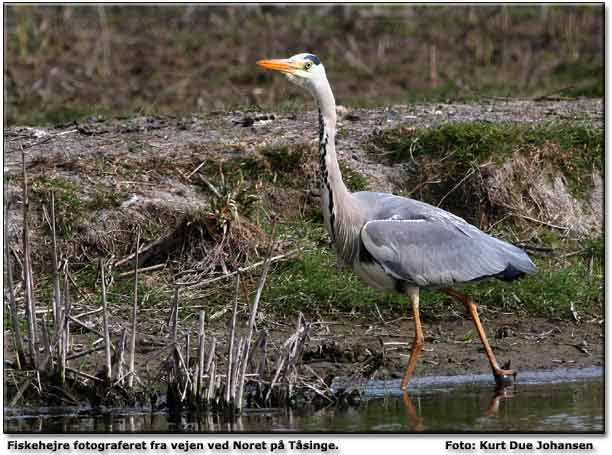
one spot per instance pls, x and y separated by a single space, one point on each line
417 345
501 375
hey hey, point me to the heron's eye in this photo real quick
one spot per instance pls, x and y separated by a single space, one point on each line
307 65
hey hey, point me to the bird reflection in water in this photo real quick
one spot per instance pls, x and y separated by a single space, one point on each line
416 419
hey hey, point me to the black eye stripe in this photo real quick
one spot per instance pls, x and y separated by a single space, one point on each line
313 58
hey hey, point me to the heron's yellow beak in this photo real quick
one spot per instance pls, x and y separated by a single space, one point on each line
285 66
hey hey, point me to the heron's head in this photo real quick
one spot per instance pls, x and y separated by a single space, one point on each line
304 69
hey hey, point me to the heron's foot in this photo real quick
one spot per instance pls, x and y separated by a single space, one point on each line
504 377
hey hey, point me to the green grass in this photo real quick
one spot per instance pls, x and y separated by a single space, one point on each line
548 293
285 161
354 180
69 208
575 149
314 281
106 199
274 163
483 140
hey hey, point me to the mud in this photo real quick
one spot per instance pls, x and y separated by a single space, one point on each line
453 347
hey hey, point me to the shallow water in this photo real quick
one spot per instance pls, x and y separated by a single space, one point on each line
560 401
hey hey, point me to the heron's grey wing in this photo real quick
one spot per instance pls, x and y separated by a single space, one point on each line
441 251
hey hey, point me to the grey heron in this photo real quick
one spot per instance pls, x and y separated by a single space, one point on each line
397 244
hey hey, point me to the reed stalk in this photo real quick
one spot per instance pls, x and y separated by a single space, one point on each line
132 350
230 349
57 297
253 315
30 305
17 337
201 355
107 342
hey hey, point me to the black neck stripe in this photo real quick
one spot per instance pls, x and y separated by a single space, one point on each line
323 140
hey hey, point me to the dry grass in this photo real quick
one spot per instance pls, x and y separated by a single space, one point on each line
68 62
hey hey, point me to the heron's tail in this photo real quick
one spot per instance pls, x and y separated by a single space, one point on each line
519 263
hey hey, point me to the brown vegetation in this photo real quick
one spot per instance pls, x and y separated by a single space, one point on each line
68 62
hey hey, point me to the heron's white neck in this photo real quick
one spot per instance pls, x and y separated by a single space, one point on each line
340 210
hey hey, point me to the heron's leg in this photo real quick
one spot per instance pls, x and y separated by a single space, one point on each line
417 345
501 375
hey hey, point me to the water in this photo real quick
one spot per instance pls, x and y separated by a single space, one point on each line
561 401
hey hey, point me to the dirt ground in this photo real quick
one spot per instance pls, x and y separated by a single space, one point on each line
156 153
453 347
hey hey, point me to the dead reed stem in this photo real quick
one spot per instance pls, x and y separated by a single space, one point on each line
17 338
107 342
120 356
132 351
230 349
201 355
235 379
198 386
204 283
27 271
85 326
64 330
174 316
262 282
57 297
211 354
46 345
187 358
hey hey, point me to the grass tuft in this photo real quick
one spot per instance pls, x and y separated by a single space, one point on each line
354 180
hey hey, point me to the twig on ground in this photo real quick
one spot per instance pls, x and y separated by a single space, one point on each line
30 305
204 283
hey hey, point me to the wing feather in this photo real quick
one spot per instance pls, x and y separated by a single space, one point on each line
439 250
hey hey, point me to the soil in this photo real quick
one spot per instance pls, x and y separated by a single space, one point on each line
147 160
348 345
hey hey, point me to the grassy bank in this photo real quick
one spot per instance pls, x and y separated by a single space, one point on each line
531 184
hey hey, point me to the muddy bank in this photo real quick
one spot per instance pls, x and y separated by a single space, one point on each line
129 166
115 178
453 347
357 348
